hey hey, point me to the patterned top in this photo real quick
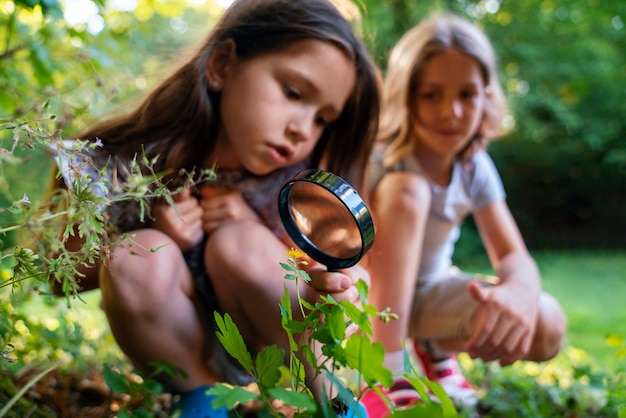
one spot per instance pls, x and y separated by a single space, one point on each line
104 171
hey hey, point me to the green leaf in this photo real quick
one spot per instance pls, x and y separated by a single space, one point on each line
447 407
342 392
288 267
233 342
322 334
298 369
360 317
117 382
336 322
367 357
229 396
305 276
268 364
420 411
285 304
123 414
152 386
300 400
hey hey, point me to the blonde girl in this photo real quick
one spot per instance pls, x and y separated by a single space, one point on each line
442 104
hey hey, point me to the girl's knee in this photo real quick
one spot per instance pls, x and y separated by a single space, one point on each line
236 246
551 328
142 274
232 240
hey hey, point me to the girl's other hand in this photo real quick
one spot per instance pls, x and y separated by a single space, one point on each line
504 325
220 205
182 222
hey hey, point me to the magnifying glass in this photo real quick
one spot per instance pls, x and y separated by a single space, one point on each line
326 218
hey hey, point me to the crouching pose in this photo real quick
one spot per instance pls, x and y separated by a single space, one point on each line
442 103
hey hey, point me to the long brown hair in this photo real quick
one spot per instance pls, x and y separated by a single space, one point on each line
436 34
179 120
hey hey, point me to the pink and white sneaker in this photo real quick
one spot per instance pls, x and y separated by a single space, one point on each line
401 394
447 373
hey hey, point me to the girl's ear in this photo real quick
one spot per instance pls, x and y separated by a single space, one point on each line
221 60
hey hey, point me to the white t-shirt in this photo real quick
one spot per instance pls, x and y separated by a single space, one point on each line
474 184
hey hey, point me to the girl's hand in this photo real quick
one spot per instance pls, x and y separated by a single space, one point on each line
181 222
341 285
504 325
221 205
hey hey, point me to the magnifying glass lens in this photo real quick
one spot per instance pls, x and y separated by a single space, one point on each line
326 218
328 225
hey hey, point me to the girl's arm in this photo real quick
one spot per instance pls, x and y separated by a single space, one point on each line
506 249
504 325
90 279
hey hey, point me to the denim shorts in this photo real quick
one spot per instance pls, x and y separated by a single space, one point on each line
443 308
204 287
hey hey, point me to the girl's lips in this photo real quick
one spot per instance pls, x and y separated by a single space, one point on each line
448 132
281 153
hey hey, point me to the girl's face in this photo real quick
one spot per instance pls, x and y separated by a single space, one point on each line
275 107
450 102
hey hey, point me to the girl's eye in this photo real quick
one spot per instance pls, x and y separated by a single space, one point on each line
429 95
321 121
292 93
468 94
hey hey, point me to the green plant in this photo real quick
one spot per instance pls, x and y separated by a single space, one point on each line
65 212
141 392
321 339
569 385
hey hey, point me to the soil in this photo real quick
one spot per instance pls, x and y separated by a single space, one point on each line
73 395
68 395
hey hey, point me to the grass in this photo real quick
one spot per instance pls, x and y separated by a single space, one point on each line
591 288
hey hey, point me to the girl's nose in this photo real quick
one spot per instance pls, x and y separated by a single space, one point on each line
301 128
451 108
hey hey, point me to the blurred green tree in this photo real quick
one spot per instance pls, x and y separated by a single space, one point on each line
66 64
564 72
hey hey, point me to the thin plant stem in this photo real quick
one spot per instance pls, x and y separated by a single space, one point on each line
26 387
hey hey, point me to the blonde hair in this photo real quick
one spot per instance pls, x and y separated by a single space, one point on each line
436 34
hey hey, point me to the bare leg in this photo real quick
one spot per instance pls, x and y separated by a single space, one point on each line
243 261
400 207
148 298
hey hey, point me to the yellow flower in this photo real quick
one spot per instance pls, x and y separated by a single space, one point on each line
5 273
295 253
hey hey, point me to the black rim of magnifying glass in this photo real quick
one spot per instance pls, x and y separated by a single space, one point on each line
348 196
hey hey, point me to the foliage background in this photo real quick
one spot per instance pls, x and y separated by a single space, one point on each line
564 73
562 67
